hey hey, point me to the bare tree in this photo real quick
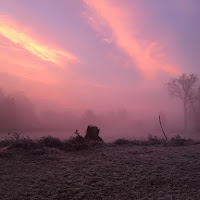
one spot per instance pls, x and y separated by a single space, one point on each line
184 88
197 110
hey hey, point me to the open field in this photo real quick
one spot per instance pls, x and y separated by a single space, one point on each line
109 172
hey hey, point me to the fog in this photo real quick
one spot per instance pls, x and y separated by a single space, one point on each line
22 115
68 64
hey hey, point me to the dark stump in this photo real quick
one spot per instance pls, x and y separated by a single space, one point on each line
93 133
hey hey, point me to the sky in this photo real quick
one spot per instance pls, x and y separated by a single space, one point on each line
97 54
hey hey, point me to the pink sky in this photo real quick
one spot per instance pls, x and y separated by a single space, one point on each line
97 54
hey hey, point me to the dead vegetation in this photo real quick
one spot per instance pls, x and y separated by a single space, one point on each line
77 142
153 140
49 168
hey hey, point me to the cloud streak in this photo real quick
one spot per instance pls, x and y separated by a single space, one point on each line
19 35
116 23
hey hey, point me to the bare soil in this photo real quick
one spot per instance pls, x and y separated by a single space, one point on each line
111 172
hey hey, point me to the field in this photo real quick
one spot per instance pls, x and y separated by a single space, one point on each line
109 172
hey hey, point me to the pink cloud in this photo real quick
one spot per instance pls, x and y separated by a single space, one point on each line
116 23
22 36
38 67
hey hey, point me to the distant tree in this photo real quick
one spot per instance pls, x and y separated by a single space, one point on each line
197 110
184 88
16 112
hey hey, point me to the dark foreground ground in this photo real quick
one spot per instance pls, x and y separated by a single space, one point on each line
112 172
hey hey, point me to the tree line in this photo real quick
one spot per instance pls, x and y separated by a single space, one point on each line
18 113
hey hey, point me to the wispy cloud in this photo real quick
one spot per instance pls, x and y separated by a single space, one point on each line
19 35
116 24
30 64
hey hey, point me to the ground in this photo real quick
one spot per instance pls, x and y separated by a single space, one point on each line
112 172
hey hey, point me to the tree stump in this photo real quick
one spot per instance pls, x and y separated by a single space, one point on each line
93 133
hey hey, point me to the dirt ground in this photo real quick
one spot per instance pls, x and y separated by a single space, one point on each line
112 172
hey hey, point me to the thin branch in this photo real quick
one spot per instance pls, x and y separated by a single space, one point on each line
162 128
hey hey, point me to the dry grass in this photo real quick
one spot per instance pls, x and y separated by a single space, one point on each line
111 172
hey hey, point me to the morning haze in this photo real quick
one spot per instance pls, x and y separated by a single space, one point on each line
62 71
99 99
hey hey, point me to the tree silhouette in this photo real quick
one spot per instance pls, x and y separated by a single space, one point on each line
184 88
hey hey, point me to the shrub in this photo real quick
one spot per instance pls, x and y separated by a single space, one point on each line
15 140
154 140
51 142
25 143
179 141
75 143
78 143
9 139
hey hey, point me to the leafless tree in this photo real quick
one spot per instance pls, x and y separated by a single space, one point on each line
184 88
197 110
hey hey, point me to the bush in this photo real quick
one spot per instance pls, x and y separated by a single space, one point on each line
51 142
9 139
25 143
154 140
78 143
17 141
179 141
75 143
37 147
